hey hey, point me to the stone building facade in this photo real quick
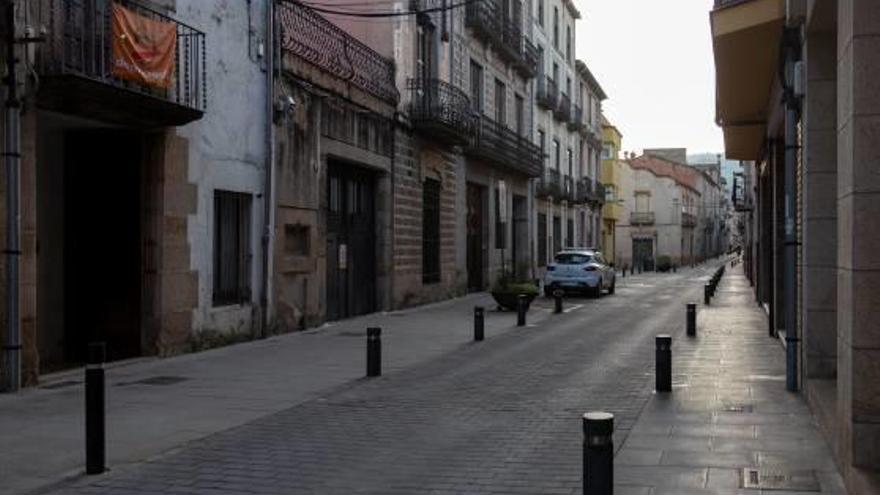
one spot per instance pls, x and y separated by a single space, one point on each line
810 200
123 181
568 120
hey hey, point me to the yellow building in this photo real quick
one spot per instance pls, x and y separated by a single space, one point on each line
611 170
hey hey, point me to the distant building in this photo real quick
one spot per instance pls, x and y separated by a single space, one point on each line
671 212
612 172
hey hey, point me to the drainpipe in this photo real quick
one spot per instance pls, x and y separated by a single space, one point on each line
269 177
792 106
12 347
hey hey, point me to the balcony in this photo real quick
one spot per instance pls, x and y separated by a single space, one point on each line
322 45
688 220
563 108
589 192
577 120
548 93
641 218
490 24
81 75
497 144
746 35
439 109
585 190
549 186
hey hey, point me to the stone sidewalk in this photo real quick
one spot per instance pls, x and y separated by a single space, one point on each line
729 411
41 429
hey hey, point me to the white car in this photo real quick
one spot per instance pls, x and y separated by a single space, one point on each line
579 270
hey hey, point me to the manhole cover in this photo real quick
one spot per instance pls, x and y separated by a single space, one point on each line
64 384
157 380
739 408
780 479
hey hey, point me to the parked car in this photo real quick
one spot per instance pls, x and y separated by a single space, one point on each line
579 270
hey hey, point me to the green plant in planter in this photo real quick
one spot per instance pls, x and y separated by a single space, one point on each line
664 263
506 292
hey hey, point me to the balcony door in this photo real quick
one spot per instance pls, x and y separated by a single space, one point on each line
425 54
500 103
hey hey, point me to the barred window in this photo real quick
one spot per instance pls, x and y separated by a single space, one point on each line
232 254
431 231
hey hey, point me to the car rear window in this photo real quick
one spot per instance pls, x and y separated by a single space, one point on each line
573 259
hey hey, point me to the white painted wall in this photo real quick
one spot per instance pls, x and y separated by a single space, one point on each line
227 146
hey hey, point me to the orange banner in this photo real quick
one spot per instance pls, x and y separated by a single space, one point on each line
143 48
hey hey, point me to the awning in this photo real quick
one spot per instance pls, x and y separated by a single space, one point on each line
745 36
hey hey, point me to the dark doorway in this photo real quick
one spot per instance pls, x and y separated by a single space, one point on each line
643 254
475 194
520 244
102 246
351 241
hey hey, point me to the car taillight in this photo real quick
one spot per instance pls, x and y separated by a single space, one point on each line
551 268
590 269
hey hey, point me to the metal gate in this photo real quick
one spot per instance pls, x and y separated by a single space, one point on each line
351 241
643 254
475 237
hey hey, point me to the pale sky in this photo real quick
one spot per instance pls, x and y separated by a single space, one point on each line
654 60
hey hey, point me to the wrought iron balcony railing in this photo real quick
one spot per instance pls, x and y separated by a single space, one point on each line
441 110
577 120
549 186
585 190
641 218
548 93
496 143
688 220
310 37
490 23
79 43
563 108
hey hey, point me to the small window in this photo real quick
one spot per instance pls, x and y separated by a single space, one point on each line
573 259
556 27
541 13
232 255
297 240
431 231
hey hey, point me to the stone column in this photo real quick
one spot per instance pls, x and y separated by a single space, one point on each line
858 210
819 289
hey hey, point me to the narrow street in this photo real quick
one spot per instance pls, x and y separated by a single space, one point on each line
503 415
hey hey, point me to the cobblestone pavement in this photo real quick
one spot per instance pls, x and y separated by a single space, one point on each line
502 416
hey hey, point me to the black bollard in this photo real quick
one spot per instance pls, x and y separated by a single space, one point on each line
598 453
374 351
691 320
95 411
707 294
663 372
674 269
478 323
557 296
624 271
522 305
